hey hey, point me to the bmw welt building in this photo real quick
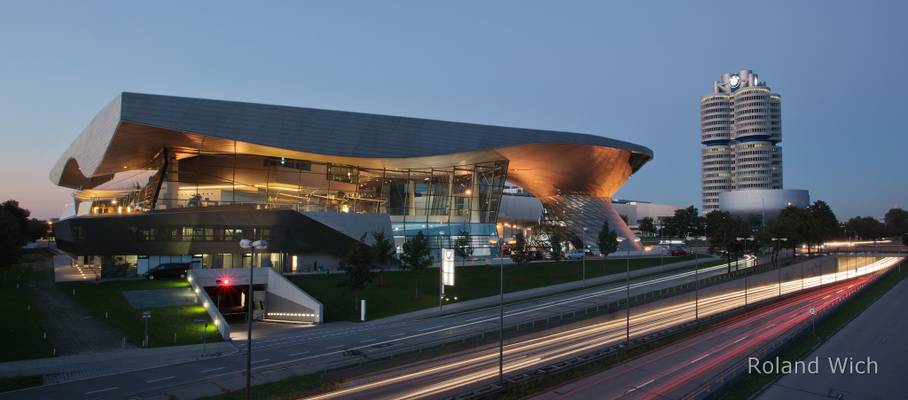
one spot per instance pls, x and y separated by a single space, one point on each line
162 179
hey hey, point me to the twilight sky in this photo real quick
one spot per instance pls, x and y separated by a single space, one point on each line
628 70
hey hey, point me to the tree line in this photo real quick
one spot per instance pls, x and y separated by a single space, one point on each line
16 230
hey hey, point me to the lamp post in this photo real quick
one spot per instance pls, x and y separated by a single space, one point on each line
627 288
696 286
583 257
746 272
252 246
500 311
778 267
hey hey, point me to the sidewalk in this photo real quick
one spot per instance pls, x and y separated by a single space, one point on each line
80 366
540 291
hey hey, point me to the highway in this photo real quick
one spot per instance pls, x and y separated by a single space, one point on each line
449 375
676 371
316 349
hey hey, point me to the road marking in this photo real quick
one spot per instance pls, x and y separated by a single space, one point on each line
399 334
103 390
641 385
298 354
205 371
367 340
334 347
736 341
699 358
261 361
160 379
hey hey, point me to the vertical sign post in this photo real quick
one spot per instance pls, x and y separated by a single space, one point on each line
447 274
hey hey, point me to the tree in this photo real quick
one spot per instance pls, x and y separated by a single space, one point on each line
416 256
607 240
519 252
357 265
896 221
824 224
795 224
686 222
723 231
13 230
865 228
462 246
647 226
382 254
555 240
37 229
905 239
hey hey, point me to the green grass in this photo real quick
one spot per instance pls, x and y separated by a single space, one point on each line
398 293
22 334
108 298
804 345
285 389
20 382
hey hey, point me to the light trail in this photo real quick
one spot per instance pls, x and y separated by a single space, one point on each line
457 371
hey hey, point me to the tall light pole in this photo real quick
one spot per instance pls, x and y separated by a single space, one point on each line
583 257
252 246
697 286
746 272
778 267
500 311
627 288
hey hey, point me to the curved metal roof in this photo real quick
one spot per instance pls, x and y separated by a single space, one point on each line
134 126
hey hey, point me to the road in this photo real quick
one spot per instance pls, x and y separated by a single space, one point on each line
675 371
878 333
449 375
316 349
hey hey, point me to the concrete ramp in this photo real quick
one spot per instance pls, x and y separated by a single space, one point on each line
276 298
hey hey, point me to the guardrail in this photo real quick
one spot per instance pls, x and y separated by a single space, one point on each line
219 322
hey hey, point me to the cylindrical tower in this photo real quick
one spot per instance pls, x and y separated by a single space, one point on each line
740 127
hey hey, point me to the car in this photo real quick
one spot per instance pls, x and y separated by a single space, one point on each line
168 270
536 255
677 251
575 254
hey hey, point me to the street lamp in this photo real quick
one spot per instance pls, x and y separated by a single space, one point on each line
779 268
500 311
583 257
252 246
627 287
746 272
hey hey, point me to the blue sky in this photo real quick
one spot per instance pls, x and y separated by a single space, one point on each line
629 70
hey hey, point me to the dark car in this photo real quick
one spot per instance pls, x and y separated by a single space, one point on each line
536 255
170 270
677 251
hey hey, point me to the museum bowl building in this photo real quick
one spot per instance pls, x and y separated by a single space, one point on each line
162 179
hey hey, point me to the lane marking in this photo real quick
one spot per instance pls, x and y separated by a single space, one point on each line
260 361
205 371
367 340
736 341
103 390
699 358
640 386
298 354
334 347
160 379
401 334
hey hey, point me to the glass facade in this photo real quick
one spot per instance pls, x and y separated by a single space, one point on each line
442 203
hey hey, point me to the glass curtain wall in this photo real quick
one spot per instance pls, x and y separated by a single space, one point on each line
442 203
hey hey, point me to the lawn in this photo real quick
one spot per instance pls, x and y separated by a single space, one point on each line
398 292
22 334
106 302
